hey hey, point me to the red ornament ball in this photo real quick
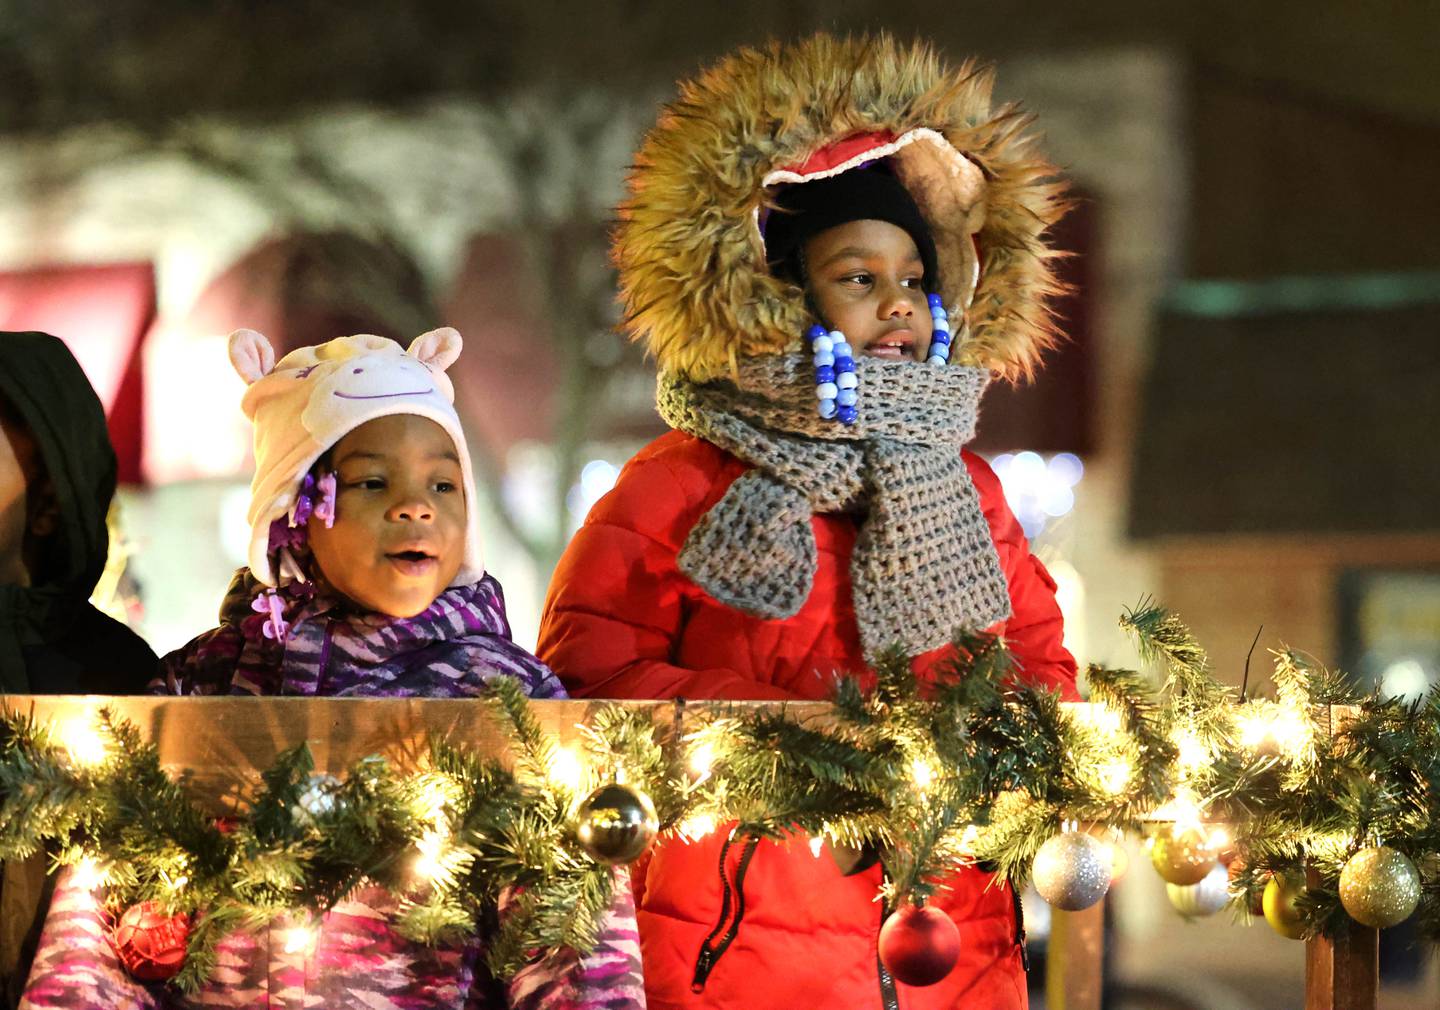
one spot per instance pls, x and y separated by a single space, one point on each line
919 944
149 943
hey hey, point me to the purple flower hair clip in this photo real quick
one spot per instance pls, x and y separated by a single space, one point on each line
269 602
285 536
325 506
304 502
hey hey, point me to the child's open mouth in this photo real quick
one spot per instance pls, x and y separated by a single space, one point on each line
895 345
413 562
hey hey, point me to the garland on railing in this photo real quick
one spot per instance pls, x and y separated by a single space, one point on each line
968 769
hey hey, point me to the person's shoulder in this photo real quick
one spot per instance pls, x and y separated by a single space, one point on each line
676 474
110 657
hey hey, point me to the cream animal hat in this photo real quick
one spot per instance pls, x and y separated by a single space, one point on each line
311 398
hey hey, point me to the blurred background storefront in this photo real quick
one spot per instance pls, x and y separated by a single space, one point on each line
1242 424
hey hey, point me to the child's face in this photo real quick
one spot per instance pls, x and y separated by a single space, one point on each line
399 533
866 279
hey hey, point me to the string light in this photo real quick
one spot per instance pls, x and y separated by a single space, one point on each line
1104 718
431 847
300 939
82 741
436 793
1114 776
1266 727
702 760
1191 754
696 827
566 770
923 774
87 874
817 845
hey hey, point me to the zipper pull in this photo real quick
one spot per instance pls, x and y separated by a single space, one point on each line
703 964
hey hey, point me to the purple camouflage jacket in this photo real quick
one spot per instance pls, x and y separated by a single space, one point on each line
452 649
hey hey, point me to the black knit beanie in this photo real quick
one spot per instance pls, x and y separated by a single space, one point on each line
861 194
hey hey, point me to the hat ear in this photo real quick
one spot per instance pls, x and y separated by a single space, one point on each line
438 349
252 355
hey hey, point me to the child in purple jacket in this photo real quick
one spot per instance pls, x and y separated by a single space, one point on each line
365 573
365 578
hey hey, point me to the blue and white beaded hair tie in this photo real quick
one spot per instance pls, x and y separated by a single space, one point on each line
939 352
837 387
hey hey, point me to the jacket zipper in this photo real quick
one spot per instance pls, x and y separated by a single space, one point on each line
324 657
715 945
1020 938
889 998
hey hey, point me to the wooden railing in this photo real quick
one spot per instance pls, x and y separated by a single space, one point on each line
217 744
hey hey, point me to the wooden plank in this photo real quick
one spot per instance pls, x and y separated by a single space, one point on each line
219 743
1073 962
1344 973
22 889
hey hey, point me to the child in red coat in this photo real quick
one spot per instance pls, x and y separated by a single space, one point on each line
830 249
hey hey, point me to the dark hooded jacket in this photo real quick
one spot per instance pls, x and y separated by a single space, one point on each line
52 641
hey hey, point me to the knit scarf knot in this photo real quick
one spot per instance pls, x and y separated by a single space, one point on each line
924 566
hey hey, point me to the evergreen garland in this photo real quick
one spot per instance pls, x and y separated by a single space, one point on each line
968 768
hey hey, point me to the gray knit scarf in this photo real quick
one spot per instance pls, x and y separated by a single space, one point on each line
924 565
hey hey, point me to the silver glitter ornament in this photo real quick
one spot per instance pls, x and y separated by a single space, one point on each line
616 824
1072 870
318 799
1379 887
1205 898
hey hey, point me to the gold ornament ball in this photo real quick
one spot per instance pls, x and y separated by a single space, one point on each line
1185 857
1072 870
1280 911
1205 898
1379 887
616 824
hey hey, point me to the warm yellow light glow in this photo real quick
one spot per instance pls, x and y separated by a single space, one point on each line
1291 730
436 793
300 939
696 826
566 769
1102 717
431 846
87 874
1254 725
922 773
1114 776
968 839
1183 810
1191 754
702 759
82 740
1219 837
817 845
1263 724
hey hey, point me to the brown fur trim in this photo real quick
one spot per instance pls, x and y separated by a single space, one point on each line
692 274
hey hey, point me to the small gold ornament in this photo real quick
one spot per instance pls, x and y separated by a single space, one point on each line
1205 898
1072 870
1182 857
1379 887
1279 904
616 824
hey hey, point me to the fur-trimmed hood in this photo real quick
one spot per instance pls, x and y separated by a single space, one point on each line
689 246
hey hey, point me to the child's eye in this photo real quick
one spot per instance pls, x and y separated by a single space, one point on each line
914 282
860 278
444 486
369 483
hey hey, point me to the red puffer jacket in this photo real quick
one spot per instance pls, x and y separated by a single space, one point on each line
622 622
